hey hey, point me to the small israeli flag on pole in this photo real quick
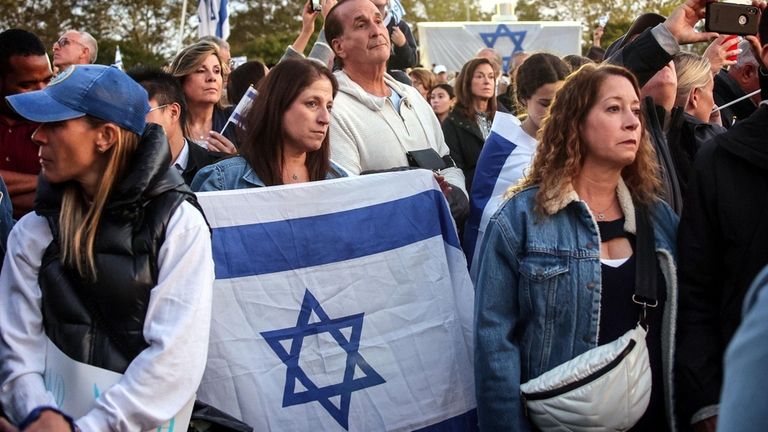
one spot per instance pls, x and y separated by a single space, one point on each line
397 10
239 113
118 58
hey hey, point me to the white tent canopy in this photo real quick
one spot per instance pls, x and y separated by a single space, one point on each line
453 43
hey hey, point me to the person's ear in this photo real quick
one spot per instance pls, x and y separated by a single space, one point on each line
747 75
693 98
175 110
337 48
748 71
107 137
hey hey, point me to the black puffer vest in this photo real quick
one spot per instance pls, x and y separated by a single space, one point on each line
100 323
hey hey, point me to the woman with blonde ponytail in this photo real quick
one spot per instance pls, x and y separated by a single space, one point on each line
113 269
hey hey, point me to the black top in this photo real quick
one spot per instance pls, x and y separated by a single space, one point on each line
199 158
220 117
619 314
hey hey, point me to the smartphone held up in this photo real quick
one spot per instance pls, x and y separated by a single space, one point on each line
732 18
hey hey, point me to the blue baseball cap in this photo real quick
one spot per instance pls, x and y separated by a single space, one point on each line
104 92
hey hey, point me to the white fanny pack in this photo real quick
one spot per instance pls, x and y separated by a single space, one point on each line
607 388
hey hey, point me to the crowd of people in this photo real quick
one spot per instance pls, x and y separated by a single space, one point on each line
640 213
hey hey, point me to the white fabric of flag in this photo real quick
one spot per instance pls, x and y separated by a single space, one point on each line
507 153
340 305
452 43
214 18
118 58
238 114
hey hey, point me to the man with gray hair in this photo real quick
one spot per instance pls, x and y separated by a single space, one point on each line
74 47
495 58
378 123
739 80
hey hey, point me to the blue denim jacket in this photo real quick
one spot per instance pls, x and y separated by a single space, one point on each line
537 303
236 173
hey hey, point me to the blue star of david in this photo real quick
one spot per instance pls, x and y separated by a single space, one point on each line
517 38
294 372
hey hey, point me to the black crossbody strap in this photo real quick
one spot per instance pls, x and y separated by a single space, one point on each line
645 274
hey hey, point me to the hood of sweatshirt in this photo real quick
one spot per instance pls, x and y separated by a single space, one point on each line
374 103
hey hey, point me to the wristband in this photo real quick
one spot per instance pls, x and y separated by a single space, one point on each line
35 414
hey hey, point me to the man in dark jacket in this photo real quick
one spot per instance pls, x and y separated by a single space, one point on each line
404 47
722 245
739 80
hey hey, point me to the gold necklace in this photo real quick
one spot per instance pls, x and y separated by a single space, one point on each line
600 215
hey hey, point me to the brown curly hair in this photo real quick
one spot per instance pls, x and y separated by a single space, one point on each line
559 155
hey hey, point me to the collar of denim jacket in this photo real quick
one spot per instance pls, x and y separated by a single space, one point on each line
625 201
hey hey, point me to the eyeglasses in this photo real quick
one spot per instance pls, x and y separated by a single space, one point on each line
63 42
157 108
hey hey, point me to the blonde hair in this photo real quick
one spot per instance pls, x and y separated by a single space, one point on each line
693 71
188 60
560 153
78 219
424 75
191 57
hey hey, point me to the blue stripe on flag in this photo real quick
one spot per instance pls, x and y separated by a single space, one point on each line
223 18
249 250
466 422
492 157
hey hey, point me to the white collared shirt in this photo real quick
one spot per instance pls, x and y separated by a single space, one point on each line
162 378
183 158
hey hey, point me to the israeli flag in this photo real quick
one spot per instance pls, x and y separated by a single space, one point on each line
507 153
245 103
214 18
118 58
397 10
340 305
